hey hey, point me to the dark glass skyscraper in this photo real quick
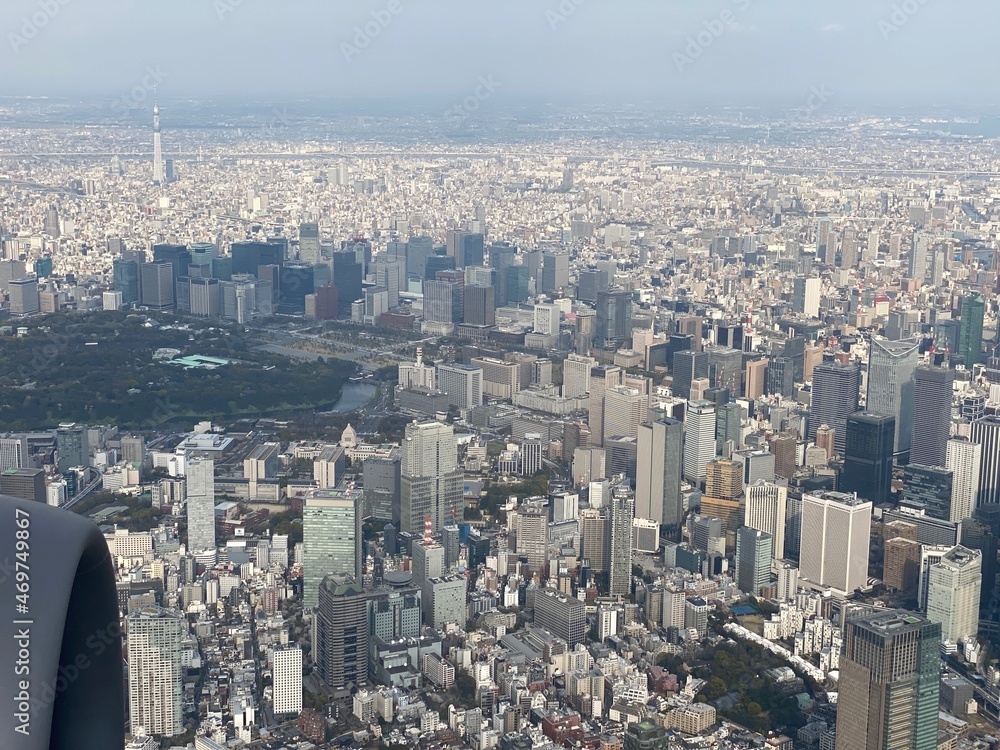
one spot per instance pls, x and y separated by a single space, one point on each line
688 365
126 280
868 456
347 278
613 313
177 255
835 389
248 257
932 396
970 332
929 488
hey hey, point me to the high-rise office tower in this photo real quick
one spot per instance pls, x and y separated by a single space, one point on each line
724 479
347 277
688 366
13 452
868 456
806 296
693 326
754 552
889 683
381 483
964 459
532 535
126 280
658 471
781 377
576 375
71 447
331 538
286 672
614 309
462 383
835 530
565 616
342 632
970 332
785 449
442 302
928 488
157 286
155 672
699 439
725 369
932 397
825 241
765 509
200 473
986 432
428 560
624 410
835 392
728 427
755 378
621 514
157 145
418 250
480 305
555 271
310 250
953 589
431 480
594 539
501 257
602 379
757 465
891 365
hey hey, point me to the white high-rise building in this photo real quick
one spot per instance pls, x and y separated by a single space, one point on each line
431 480
462 383
699 439
286 674
953 593
547 319
624 410
964 459
765 510
13 452
155 672
835 538
576 375
200 473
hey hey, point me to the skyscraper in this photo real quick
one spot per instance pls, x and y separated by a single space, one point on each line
155 672
754 552
986 432
688 365
970 332
964 459
431 480
868 456
71 447
889 683
835 530
835 393
953 590
286 671
200 475
621 513
310 250
928 488
658 471
891 365
342 632
331 536
613 314
765 510
126 280
699 439
932 396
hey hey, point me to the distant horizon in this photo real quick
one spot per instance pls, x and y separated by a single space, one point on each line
857 54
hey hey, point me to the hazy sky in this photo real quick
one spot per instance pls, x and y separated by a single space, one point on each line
855 52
